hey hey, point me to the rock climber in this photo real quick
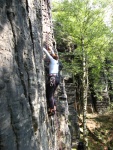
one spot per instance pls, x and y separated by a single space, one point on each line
53 81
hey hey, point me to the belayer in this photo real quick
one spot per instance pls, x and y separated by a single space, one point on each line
53 81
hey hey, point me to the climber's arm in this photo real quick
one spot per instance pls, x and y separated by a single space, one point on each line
47 53
52 51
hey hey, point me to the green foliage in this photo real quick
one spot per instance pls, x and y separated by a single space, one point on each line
76 20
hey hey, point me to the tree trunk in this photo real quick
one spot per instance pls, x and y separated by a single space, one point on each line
85 91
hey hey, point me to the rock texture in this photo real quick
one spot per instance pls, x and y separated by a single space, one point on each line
73 114
24 123
64 134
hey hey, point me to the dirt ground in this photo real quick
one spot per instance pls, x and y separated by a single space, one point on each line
100 129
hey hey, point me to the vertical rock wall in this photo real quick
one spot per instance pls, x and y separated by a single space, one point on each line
22 103
47 25
64 135
60 135
24 123
73 117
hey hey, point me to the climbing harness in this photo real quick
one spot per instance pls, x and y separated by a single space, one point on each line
52 80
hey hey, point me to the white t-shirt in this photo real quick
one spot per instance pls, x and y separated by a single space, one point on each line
53 65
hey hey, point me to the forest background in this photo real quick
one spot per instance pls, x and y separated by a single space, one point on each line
84 36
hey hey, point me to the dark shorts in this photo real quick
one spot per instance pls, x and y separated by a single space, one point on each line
52 84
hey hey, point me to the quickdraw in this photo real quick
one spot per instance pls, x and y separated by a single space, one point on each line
52 81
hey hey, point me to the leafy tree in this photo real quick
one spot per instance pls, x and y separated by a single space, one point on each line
82 22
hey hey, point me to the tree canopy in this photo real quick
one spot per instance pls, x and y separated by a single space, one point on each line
83 19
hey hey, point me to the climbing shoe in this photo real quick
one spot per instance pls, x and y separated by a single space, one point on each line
51 112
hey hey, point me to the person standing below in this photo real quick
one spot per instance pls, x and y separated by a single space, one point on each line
53 82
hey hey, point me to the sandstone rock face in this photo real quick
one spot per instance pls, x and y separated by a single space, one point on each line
64 135
73 117
24 123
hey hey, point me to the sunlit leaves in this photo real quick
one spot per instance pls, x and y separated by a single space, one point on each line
84 19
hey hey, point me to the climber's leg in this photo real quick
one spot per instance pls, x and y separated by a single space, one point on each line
50 90
57 81
49 95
